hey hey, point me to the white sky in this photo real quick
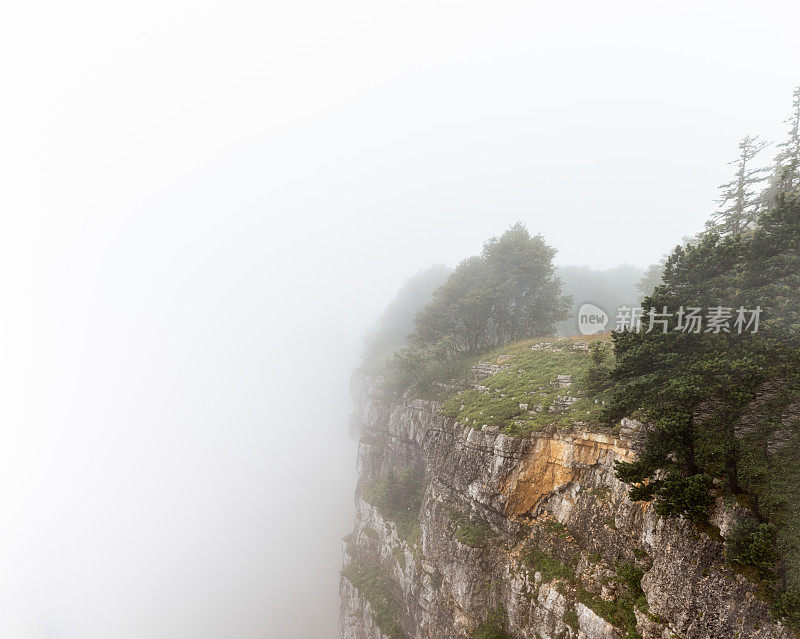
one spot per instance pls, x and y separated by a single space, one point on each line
202 204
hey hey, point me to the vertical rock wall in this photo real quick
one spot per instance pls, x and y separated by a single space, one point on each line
534 538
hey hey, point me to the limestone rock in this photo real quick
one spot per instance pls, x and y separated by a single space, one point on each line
490 499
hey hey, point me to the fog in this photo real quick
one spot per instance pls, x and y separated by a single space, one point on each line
204 207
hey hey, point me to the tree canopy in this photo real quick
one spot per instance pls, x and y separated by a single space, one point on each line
609 289
396 322
721 403
740 198
508 293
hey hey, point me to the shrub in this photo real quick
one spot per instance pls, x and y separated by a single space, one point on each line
549 567
618 612
436 579
557 528
398 498
787 606
571 619
476 535
494 627
349 543
690 497
631 576
485 631
751 543
370 582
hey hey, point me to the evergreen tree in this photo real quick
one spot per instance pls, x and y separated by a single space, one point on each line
786 176
722 404
610 289
739 200
651 278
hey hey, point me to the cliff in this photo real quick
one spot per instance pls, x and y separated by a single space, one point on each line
466 531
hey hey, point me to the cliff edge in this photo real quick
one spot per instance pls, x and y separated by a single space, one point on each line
484 530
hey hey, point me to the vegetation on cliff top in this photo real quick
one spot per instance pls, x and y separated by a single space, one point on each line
724 404
507 293
543 383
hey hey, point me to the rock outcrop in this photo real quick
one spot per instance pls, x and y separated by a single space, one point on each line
526 537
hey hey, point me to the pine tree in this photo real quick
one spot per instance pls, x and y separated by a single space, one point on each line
739 201
717 404
786 176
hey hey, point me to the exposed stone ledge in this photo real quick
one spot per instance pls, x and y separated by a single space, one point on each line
556 479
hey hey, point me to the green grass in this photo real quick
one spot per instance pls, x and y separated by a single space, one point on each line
494 627
485 631
549 567
475 534
530 379
556 527
370 582
398 498
571 619
620 611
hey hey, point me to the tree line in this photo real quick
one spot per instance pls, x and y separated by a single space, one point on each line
723 408
752 188
508 293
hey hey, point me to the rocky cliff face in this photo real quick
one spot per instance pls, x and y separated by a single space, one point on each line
525 537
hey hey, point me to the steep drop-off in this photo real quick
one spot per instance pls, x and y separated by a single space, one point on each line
523 537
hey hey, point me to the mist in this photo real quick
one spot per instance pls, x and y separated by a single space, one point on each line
205 207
